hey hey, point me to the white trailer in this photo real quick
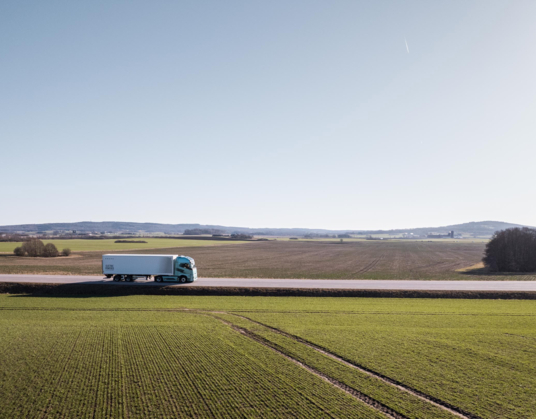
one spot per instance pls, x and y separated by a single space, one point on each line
162 267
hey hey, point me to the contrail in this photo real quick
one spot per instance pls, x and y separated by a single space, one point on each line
407 48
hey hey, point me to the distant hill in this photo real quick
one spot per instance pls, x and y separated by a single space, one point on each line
477 229
126 227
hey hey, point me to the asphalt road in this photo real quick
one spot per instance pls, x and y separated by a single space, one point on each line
354 284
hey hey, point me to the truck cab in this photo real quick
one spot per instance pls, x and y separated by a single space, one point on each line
184 270
185 266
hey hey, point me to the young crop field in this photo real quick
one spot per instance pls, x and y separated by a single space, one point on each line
307 260
82 245
113 364
187 356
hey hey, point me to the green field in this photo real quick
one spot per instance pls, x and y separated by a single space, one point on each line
82 245
184 356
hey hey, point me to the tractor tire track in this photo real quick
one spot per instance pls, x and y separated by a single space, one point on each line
348 390
368 266
414 392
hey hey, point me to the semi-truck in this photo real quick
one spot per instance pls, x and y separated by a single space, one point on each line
161 267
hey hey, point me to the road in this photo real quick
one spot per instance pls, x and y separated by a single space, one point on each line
354 284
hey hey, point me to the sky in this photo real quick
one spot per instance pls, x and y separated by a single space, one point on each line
316 114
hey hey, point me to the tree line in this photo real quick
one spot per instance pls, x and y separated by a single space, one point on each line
200 231
512 250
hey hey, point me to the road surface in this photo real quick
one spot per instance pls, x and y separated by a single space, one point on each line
352 284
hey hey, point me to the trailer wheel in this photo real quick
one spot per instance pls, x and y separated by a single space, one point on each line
158 278
129 278
183 279
117 278
108 276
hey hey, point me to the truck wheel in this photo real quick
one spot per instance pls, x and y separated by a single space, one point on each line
183 279
117 278
129 278
108 276
158 278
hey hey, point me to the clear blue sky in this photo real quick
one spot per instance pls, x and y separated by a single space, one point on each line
268 114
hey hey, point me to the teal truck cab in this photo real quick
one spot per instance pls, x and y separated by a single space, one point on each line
184 270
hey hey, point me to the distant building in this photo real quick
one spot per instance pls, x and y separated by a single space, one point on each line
449 235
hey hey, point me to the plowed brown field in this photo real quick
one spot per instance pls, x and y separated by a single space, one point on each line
283 259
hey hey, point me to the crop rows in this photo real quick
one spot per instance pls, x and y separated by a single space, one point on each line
128 364
170 357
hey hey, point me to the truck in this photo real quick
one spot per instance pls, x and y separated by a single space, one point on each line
161 267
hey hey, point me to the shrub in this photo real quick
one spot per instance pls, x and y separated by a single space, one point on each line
50 251
512 250
18 251
33 247
241 236
66 252
199 231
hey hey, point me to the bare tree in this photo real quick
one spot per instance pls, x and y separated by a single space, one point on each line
18 251
50 251
33 247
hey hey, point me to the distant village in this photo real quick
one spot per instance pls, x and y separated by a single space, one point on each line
449 235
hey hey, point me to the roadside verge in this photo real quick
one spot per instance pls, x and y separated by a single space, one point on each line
120 289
